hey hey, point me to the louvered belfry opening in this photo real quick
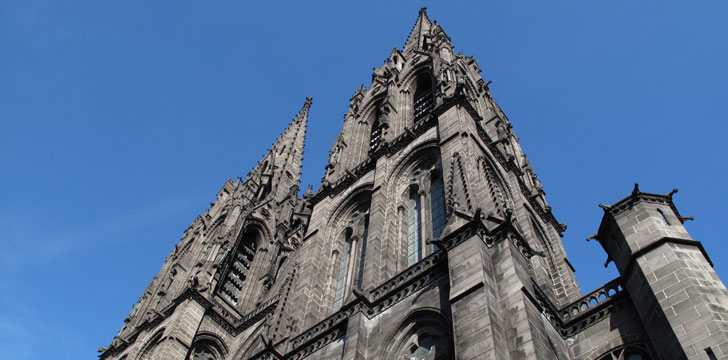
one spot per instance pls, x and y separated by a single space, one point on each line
423 99
240 266
376 138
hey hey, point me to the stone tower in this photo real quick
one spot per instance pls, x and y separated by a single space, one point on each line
429 238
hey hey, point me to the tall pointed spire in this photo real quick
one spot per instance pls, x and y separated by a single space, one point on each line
290 146
280 167
416 37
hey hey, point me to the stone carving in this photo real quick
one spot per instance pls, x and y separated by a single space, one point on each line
503 141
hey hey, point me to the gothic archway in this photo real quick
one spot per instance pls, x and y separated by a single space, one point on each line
425 334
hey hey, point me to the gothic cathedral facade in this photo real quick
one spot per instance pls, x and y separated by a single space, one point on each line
429 238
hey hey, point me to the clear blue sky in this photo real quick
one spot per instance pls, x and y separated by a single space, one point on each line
120 120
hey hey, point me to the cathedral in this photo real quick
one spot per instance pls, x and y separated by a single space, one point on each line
428 238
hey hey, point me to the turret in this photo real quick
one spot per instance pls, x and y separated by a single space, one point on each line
669 277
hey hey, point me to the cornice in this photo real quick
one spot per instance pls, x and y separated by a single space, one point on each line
638 196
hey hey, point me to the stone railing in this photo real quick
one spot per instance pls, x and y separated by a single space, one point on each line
582 313
591 300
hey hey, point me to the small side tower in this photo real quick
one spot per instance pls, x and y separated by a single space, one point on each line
668 275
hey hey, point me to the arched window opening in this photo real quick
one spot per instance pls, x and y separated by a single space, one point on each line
426 335
423 98
414 228
377 130
437 204
351 261
425 210
363 253
343 271
240 266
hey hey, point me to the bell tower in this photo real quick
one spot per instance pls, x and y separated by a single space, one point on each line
430 158
226 262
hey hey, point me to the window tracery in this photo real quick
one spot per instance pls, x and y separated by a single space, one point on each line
425 335
627 352
425 210
205 349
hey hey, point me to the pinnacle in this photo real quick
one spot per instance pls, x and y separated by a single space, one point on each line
304 110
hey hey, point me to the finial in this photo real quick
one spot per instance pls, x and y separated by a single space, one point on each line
605 207
636 190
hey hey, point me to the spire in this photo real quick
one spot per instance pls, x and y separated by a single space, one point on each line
280 168
416 37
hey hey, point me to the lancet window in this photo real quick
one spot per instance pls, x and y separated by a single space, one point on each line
425 211
240 266
423 99
376 138
352 258
437 205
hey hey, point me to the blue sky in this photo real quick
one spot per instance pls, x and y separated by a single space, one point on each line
119 122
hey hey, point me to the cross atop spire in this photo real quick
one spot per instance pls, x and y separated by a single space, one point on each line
416 37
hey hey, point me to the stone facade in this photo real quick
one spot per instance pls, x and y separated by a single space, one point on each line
429 238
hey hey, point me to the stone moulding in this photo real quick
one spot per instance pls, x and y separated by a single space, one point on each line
637 196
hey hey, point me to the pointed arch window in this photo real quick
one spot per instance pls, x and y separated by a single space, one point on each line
425 335
414 228
240 266
437 205
426 216
342 273
351 261
376 137
423 99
